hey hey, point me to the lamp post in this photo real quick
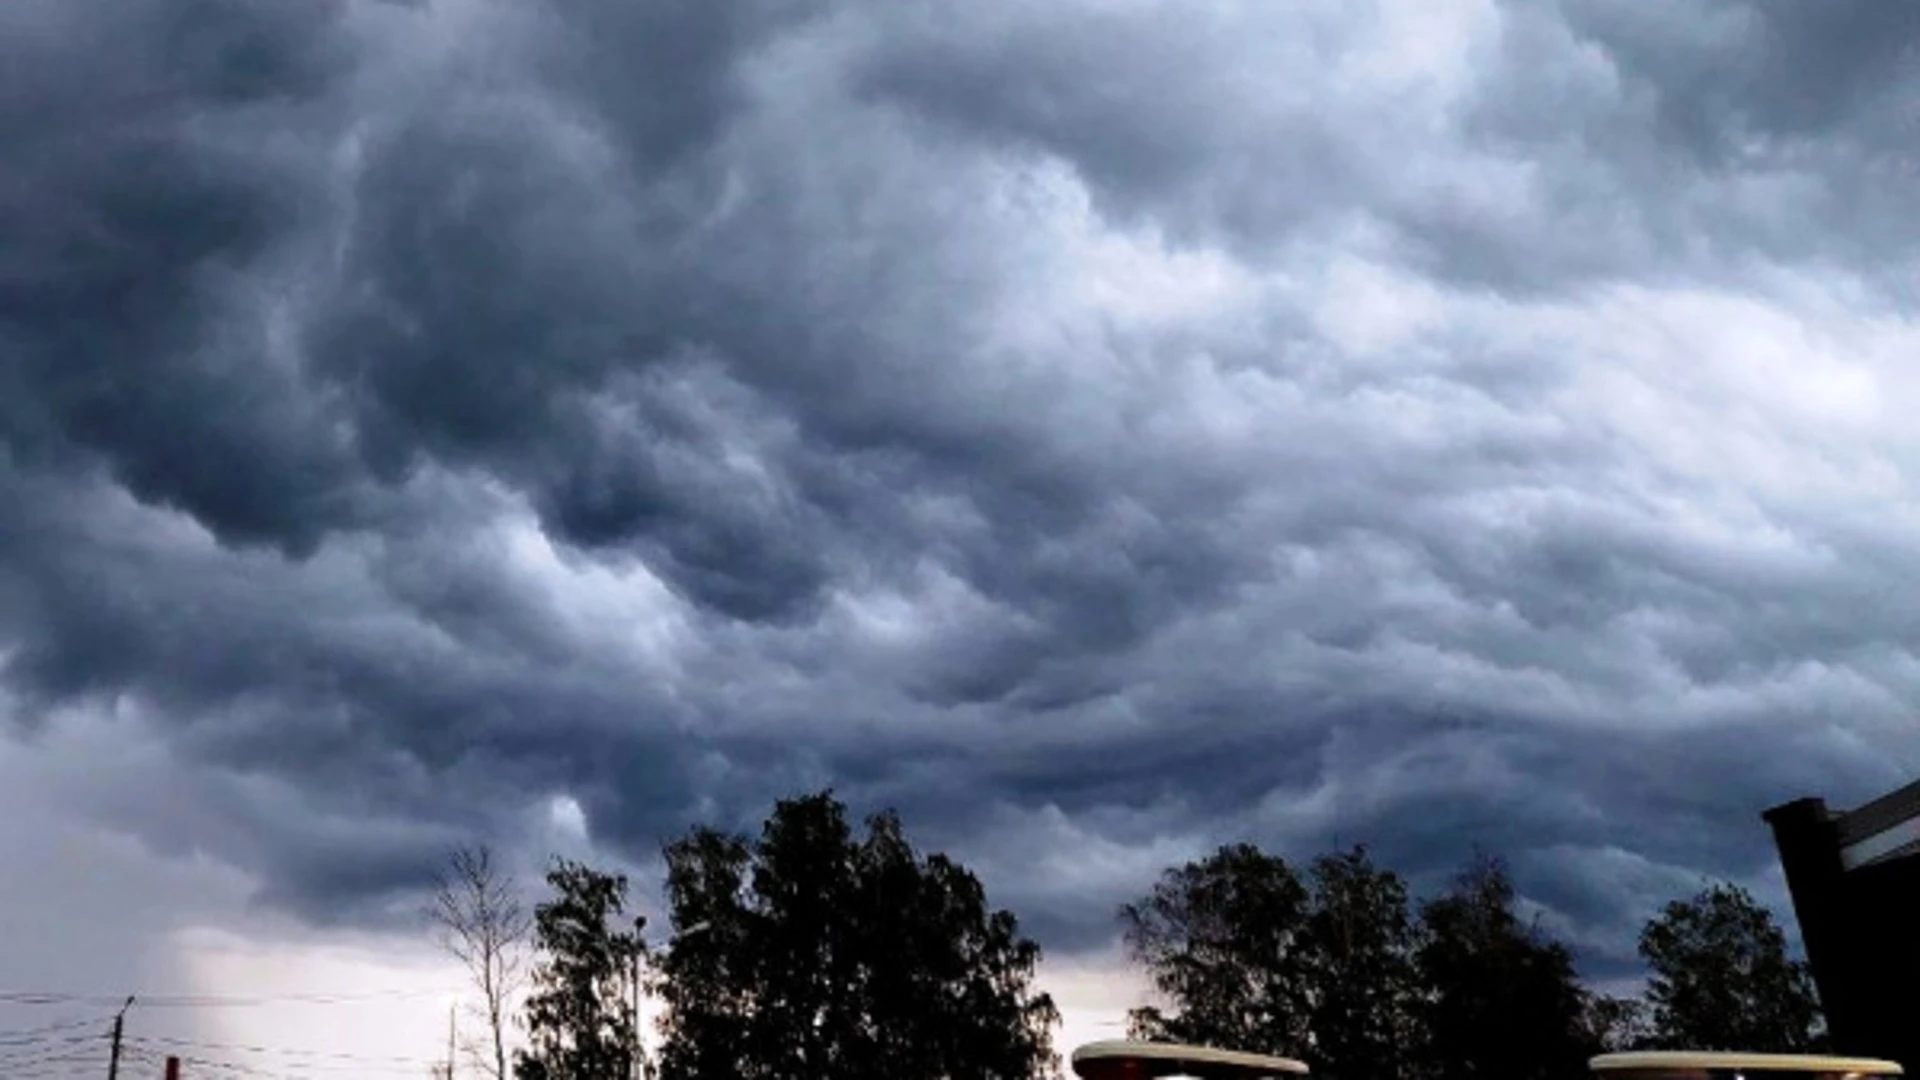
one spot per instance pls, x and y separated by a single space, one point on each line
640 1071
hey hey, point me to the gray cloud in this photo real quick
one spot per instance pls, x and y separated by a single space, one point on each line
1098 431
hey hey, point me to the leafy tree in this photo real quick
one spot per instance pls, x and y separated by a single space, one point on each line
581 1017
1502 1001
811 952
1365 982
1615 1024
1227 940
1721 978
479 919
708 975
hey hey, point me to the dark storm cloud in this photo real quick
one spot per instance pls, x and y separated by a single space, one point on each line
1594 141
1673 142
1088 429
1725 74
141 188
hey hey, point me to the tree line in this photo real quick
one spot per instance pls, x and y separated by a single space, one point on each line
1338 967
817 949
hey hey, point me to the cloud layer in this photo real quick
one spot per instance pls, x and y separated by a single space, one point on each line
1098 429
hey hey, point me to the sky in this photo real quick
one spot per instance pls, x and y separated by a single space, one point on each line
1099 430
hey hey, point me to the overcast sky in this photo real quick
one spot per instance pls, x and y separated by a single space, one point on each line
1099 429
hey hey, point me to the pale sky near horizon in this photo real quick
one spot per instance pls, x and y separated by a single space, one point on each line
1099 430
251 992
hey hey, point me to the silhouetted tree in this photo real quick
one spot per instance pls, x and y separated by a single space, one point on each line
479 919
580 1018
1501 999
1226 940
1721 977
1615 1024
708 975
1364 983
815 953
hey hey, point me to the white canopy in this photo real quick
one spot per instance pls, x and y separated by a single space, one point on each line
1703 1065
1149 1059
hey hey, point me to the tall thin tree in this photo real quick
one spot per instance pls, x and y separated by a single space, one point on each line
480 920
579 1023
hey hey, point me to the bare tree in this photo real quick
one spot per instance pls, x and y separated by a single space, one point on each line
479 919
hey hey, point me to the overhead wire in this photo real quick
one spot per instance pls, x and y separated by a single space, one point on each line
275 1070
150 1058
318 1055
19 1036
37 1064
24 1050
30 1053
54 1068
207 1001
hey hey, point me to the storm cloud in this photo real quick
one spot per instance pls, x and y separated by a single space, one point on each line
1098 429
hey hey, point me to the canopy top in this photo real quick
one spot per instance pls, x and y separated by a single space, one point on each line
1130 1059
1703 1065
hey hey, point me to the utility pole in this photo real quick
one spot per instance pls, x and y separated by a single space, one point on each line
119 1021
452 1012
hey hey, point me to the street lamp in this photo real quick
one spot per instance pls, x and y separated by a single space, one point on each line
689 931
665 946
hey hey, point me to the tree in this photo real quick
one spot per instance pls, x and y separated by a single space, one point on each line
580 1018
1225 939
479 919
821 954
1501 999
1365 983
707 976
1615 1024
948 981
1721 977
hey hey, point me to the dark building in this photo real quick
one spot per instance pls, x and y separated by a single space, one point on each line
1855 880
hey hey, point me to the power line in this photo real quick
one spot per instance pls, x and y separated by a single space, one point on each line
149 1058
291 1062
67 1050
40 1055
326 1055
53 1051
42 1045
209 1001
20 1036
275 1070
55 1066
52 1046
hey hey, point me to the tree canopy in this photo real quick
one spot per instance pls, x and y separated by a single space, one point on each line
1721 977
813 952
1502 999
1365 986
1225 939
819 949
1335 970
580 1018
